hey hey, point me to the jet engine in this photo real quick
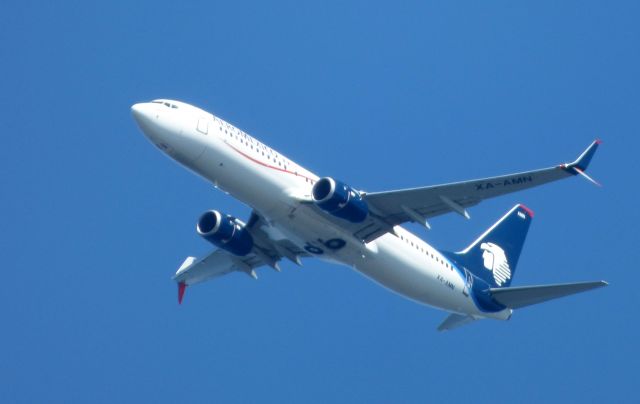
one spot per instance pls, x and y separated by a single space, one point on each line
340 200
225 232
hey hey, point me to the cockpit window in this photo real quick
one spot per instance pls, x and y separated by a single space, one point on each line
165 103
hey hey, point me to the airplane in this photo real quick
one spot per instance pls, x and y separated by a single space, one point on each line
297 214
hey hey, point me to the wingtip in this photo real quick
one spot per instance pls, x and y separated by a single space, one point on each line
181 288
587 177
582 162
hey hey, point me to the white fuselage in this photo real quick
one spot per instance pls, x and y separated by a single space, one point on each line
275 186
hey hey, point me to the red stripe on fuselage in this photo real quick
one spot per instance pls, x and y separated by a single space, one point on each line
267 165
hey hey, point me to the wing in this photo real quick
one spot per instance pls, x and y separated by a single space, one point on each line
217 263
420 204
268 250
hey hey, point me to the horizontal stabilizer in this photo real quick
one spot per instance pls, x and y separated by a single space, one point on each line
455 321
523 296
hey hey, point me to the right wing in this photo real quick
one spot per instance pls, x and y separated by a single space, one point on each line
267 251
217 263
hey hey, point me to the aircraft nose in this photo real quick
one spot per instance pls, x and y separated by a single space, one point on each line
136 110
146 118
140 112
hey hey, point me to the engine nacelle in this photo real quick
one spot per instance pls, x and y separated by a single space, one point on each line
340 200
224 232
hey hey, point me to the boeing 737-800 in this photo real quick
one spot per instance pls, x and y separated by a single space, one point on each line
297 214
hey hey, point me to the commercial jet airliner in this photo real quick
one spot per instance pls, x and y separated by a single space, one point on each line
297 214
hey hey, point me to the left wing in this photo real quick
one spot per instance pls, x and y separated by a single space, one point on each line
266 251
420 204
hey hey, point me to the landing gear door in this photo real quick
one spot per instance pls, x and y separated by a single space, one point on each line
203 125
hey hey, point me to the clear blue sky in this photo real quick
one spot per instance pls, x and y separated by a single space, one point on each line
95 220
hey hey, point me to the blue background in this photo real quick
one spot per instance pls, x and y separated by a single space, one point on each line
95 220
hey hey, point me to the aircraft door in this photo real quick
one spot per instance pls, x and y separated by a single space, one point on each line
203 125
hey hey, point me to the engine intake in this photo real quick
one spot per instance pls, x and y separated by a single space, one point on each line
224 232
340 200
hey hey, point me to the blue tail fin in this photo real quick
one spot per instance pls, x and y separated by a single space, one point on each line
494 255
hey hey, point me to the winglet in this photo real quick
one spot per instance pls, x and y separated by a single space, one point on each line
583 161
579 166
582 173
181 288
